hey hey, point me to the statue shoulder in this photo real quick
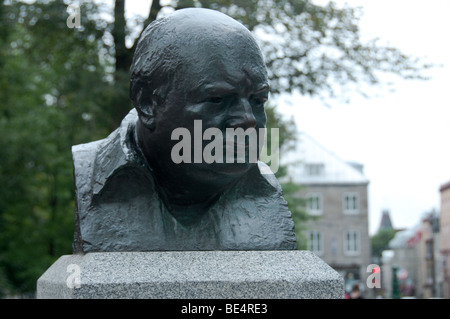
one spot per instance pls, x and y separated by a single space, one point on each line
83 156
267 175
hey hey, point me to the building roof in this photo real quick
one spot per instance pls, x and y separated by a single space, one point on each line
406 238
386 222
311 163
444 186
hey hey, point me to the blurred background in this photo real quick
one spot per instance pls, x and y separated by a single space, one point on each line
358 90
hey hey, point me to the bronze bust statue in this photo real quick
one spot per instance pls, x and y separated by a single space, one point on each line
193 66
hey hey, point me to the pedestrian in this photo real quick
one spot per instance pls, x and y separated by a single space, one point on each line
355 293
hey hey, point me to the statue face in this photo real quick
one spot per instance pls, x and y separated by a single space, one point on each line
223 84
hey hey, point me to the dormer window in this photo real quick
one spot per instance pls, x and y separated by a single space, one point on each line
315 169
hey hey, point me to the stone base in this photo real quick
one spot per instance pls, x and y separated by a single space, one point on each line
191 275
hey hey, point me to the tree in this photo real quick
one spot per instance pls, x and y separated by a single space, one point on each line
380 241
52 84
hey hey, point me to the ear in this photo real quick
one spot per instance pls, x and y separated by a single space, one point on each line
146 106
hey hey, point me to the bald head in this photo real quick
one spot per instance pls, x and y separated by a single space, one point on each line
186 39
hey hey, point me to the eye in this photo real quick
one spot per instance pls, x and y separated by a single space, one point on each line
258 101
215 99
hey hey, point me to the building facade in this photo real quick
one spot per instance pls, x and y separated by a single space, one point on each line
415 253
431 259
336 195
444 222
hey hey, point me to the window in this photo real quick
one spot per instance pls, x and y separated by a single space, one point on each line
430 274
429 249
334 246
351 203
314 169
351 242
315 241
314 203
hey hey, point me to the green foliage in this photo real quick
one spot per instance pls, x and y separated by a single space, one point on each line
380 241
51 97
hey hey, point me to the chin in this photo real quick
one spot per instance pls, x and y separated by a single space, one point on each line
233 168
221 170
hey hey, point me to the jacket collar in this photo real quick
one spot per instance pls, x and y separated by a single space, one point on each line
120 149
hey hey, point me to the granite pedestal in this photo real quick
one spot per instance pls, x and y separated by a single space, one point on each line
191 275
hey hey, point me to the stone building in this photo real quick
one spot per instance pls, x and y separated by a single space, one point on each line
431 260
336 193
444 223
415 254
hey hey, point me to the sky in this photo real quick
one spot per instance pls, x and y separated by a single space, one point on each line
401 136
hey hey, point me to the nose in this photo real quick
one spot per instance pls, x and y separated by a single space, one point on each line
241 115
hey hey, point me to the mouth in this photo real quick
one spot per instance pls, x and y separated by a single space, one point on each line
236 148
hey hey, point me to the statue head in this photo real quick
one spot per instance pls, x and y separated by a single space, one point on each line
196 64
